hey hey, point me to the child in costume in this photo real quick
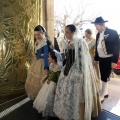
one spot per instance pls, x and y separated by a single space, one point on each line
45 98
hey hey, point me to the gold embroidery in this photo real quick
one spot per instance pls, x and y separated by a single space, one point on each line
104 47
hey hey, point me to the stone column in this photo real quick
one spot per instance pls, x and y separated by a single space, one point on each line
48 17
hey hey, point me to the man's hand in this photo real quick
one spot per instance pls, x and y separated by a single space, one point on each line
113 65
96 62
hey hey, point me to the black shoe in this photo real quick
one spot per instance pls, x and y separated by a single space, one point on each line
45 118
106 96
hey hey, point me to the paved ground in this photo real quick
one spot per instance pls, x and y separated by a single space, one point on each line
112 103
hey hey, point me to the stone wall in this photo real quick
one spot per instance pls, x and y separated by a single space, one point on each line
48 17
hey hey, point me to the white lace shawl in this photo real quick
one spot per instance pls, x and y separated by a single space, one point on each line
59 58
56 68
88 73
40 44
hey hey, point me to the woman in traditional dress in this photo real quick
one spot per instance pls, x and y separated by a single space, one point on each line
77 94
40 66
91 44
45 99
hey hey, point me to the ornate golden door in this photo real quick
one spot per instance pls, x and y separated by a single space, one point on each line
17 21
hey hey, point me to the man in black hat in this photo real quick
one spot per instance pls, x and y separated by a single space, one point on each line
107 52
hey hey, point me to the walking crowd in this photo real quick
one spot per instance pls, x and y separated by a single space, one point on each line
70 79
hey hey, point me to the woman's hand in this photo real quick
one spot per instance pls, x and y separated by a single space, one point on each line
96 62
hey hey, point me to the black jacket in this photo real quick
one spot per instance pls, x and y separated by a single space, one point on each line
112 44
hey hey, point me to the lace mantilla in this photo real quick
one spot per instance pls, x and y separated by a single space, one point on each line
78 87
40 44
54 69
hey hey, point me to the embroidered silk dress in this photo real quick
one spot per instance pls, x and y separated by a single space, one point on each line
37 69
91 45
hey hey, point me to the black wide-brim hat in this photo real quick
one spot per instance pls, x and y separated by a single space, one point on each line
99 20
